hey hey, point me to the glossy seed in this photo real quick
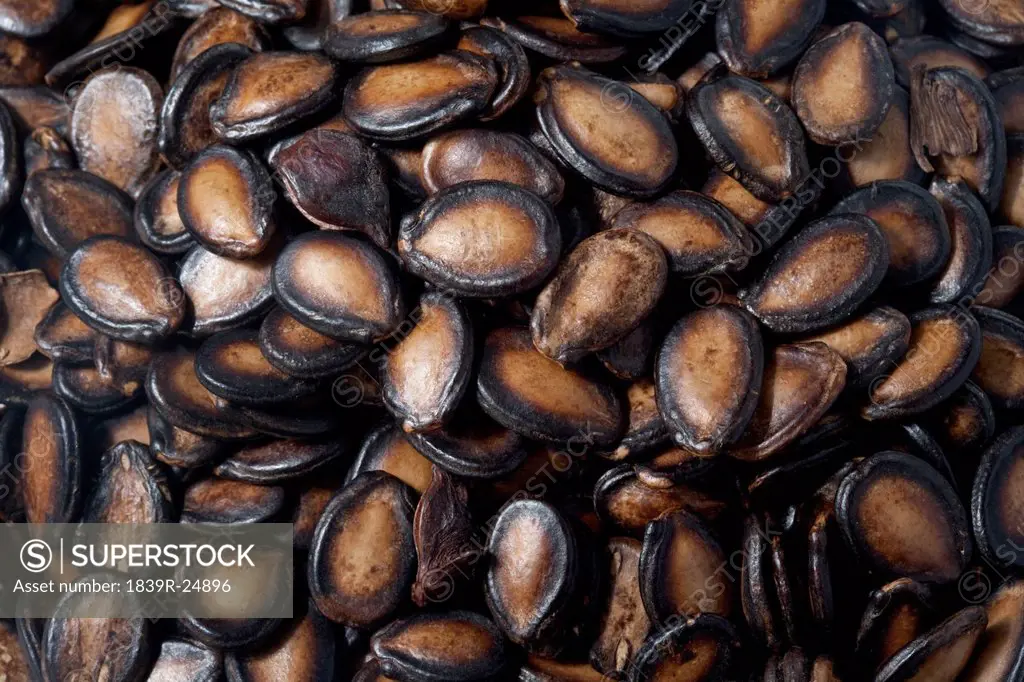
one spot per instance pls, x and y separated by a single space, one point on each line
25 300
121 363
914 224
895 615
939 654
533 395
66 207
766 222
311 416
930 52
971 233
44 149
271 90
304 651
282 460
995 517
225 293
512 63
998 22
158 224
701 649
750 134
185 127
217 26
270 11
602 290
557 38
887 155
647 430
179 448
84 389
1008 90
955 130
456 646
20 383
820 276
132 488
212 500
386 448
62 336
475 154
757 39
337 182
231 366
871 344
481 239
299 351
114 127
339 286
1005 280
708 377
384 36
362 560
36 106
627 503
626 146
473 446
221 633
412 99
966 422
53 486
1000 649
114 648
122 290
945 345
1000 368
801 381
31 18
902 518
625 19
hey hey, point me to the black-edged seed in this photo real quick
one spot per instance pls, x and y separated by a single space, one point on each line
647 430
625 19
750 133
871 344
533 573
443 530
625 147
214 500
945 344
131 488
482 239
270 91
115 648
338 182
701 649
115 121
308 417
601 291
425 376
456 646
766 222
1005 280
229 633
84 389
386 448
801 381
757 589
758 39
180 448
384 35
363 558
312 501
230 365
995 514
174 390
914 224
887 155
939 654
971 233
1000 22
473 446
1000 368
157 222
185 659
966 422
270 11
305 650
36 106
185 127
531 394
999 652
628 504
821 276
120 289
679 560
557 38
225 293
708 376
412 99
1012 206
631 357
902 518
477 154
301 352
226 202
699 234
11 157
1008 91
955 130
624 622
122 364
66 207
53 487
32 18
215 26
282 460
896 614
909 54
339 286
511 61
25 299
61 336
843 85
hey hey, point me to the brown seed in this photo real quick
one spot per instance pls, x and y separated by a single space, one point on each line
625 19
338 182
61 335
647 430
282 460
387 449
757 39
557 38
801 381
1000 368
749 133
843 85
1005 281
179 448
998 22
339 286
457 646
362 559
157 222
945 345
910 53
225 293
467 155
271 90
115 648
185 127
888 154
896 614
699 649
995 516
512 63
473 446
45 149
131 488
30 18
412 99
66 207
940 654
821 276
115 121
601 292
624 623
25 299
116 429
384 36
999 648
628 504
971 233
1008 90
305 651
212 500
217 26
443 530
226 202
481 239
221 633
302 352
460 9
902 518
84 389
230 365
20 383
606 132
183 659
871 344
53 485
767 223
36 106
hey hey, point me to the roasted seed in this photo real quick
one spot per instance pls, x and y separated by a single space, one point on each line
305 650
909 54
178 447
999 648
509 58
132 488
299 351
230 365
557 38
1000 368
269 11
895 615
939 654
115 648
888 154
623 18
994 22
624 623
225 293
473 446
30 18
386 448
757 39
53 486
1005 281
25 300
158 224
456 646
971 233
84 389
627 503
701 649
384 36
871 344
217 26
62 336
